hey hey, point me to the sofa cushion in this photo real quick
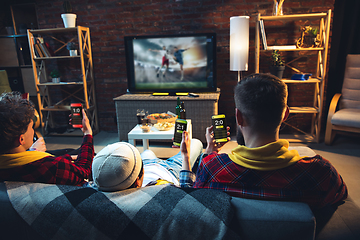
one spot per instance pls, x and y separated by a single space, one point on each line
347 117
259 219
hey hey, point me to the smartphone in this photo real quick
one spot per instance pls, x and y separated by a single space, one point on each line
76 115
219 128
180 127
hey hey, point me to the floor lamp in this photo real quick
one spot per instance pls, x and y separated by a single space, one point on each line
239 44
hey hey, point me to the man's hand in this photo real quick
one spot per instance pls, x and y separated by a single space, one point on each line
39 145
86 129
185 151
212 146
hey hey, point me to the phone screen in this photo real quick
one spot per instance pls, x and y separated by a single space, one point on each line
219 128
180 127
76 115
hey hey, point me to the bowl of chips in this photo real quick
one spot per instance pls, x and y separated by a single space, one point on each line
162 117
164 126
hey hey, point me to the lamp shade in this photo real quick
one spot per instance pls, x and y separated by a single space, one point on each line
239 43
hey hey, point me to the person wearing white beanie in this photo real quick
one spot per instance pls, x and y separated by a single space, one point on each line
120 166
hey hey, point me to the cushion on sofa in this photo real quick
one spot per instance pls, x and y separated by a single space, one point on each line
259 219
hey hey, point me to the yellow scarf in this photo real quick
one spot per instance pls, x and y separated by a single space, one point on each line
19 159
272 156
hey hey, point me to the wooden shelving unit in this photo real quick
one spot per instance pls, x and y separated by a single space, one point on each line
80 35
15 55
317 79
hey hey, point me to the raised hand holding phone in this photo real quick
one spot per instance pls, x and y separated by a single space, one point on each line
81 120
180 127
219 128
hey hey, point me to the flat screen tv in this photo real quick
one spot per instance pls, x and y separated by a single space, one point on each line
171 63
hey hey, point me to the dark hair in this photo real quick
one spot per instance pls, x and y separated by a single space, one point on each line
140 175
15 115
261 98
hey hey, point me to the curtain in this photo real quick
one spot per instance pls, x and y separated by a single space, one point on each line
345 40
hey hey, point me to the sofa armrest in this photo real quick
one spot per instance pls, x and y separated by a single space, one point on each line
261 219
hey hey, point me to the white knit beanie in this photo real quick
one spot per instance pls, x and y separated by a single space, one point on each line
116 167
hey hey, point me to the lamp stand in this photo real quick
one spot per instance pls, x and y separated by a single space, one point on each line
239 76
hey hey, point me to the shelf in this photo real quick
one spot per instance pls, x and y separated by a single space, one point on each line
318 76
56 57
57 30
293 50
310 80
13 36
57 108
303 110
60 83
84 93
295 16
15 66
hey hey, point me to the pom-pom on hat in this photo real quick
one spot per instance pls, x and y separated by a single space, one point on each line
116 167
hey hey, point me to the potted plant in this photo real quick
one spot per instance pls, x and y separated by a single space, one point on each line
310 35
68 17
55 75
72 48
277 64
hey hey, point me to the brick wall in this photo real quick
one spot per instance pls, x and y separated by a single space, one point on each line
111 20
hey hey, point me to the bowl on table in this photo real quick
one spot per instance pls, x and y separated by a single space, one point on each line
145 127
162 117
164 126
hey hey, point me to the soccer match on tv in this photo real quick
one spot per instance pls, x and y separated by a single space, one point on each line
172 62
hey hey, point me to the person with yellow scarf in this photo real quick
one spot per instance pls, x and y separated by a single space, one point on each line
262 166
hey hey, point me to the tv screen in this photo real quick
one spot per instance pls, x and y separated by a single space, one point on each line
171 63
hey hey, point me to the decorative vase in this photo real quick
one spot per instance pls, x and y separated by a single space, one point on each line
69 19
73 53
309 41
277 71
56 80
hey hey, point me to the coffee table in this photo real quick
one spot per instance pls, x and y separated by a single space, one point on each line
137 133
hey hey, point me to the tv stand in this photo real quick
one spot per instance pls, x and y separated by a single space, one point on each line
198 109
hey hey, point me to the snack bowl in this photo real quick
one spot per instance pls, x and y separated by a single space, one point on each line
164 126
162 117
145 127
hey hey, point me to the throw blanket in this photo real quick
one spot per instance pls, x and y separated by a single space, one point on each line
154 212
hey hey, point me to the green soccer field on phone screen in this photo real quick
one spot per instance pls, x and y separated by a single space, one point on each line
219 128
180 127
